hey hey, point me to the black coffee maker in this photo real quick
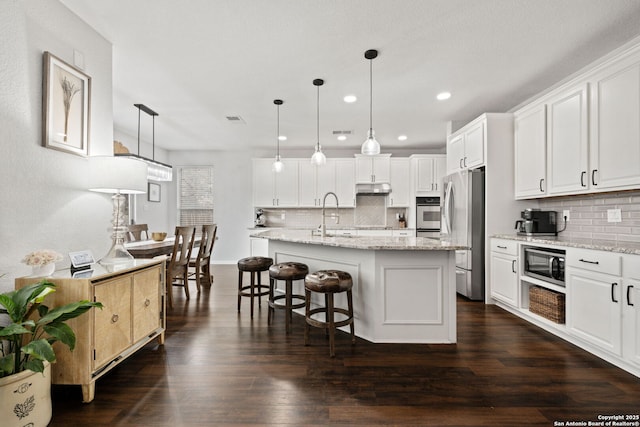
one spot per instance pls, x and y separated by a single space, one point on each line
537 222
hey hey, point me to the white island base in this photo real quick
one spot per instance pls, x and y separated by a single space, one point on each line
399 296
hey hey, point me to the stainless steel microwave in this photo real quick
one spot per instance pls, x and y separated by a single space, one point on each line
545 264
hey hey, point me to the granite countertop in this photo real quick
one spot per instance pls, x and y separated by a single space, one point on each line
573 242
360 242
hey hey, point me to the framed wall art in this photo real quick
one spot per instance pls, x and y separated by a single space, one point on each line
66 99
153 193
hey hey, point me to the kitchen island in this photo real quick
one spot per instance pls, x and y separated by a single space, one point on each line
404 288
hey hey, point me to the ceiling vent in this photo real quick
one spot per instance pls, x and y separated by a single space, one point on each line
342 132
236 120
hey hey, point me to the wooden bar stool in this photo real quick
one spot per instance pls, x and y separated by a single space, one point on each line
328 282
287 271
255 265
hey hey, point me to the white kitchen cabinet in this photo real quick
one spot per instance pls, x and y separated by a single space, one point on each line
594 298
375 233
429 171
345 182
568 142
615 126
373 168
315 181
631 309
400 179
465 148
504 271
530 139
259 246
405 232
275 189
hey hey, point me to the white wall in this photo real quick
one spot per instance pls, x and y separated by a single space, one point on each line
44 201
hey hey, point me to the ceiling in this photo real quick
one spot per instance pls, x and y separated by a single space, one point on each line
196 62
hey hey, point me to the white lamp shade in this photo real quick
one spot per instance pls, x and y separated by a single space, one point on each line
371 146
277 166
108 174
318 158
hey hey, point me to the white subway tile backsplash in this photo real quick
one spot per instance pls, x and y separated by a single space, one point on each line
588 215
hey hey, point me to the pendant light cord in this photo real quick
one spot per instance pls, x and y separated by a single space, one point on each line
371 94
278 134
318 118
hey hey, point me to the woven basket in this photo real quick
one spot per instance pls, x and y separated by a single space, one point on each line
547 304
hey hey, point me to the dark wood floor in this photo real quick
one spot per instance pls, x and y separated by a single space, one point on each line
221 368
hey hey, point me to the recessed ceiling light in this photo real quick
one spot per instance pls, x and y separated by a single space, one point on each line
350 99
342 138
282 138
443 95
402 138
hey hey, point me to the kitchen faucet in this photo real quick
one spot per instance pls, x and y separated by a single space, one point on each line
323 227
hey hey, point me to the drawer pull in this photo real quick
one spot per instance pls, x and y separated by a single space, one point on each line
502 247
629 295
589 262
147 302
613 296
114 318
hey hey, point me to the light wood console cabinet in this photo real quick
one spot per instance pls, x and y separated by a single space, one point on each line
133 315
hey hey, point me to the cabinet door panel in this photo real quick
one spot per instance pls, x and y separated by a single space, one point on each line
504 278
346 182
326 179
307 184
631 337
530 152
615 132
568 156
286 183
263 183
400 179
474 146
147 302
113 322
455 154
591 312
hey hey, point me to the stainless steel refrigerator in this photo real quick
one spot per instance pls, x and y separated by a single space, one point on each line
463 223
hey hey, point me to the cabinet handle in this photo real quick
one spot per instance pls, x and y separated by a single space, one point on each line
513 265
465 161
613 297
436 186
114 318
541 181
629 295
593 176
582 174
147 302
589 262
502 247
461 163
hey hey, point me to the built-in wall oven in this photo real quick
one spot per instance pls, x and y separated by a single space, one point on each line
545 264
428 217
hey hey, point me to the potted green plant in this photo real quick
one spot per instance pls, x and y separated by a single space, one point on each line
26 351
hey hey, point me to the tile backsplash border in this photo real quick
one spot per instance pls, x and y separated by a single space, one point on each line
588 215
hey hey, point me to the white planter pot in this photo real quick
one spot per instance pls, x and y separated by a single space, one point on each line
25 399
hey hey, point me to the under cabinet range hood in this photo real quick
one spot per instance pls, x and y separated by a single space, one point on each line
373 189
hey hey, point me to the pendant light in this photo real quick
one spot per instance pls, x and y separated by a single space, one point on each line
278 166
318 157
371 146
156 171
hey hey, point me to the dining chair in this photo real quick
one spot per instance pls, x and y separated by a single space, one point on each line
137 232
201 262
178 267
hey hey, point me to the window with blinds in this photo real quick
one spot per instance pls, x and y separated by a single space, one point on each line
195 195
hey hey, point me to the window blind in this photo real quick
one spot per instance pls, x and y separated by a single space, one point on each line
195 195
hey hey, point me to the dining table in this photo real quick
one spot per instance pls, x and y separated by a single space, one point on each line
153 248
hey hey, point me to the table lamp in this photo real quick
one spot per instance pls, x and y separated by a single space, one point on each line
117 176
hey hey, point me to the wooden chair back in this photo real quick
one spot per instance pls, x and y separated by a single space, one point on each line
137 232
208 239
178 267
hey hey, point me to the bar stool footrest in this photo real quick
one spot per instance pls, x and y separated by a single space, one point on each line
273 303
324 324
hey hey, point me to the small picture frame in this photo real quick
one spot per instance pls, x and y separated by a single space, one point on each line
153 192
81 259
66 99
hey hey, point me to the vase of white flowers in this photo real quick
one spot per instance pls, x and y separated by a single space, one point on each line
42 262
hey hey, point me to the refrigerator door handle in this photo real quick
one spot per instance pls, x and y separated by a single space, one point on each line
448 207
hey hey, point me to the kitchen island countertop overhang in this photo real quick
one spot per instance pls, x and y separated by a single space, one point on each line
404 287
